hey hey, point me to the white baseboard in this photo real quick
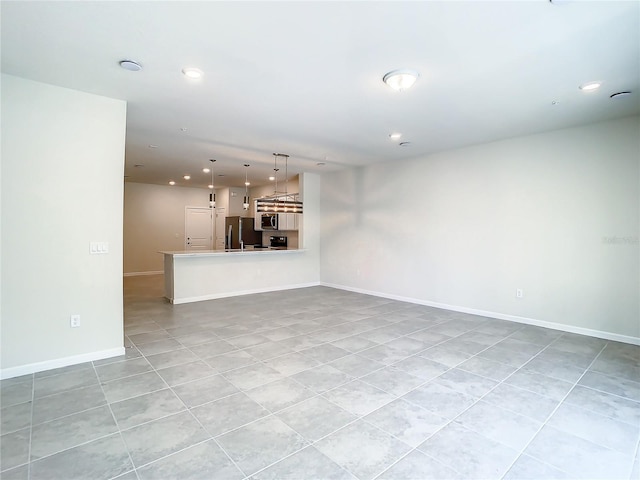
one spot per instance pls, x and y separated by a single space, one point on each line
59 362
178 301
140 274
500 316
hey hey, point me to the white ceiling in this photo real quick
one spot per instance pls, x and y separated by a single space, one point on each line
305 78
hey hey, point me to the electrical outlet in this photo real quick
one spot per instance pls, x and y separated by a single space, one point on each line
75 321
519 293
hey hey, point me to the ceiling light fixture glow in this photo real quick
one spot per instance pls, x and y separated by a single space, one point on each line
401 79
590 87
206 170
395 136
187 177
192 73
171 182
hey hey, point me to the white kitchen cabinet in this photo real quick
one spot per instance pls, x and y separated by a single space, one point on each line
288 221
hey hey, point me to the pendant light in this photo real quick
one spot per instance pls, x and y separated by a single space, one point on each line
245 203
212 195
279 203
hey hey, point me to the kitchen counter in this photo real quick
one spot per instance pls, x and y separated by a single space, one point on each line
208 274
248 250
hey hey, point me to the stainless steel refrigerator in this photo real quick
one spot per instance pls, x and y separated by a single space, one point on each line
239 231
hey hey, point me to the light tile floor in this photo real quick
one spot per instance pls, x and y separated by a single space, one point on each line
320 383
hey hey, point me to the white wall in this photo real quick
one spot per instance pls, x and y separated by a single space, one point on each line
466 228
154 221
62 170
236 203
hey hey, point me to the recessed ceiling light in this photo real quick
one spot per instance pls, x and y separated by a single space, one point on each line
401 79
590 87
272 178
555 102
171 182
130 65
151 145
192 73
187 177
206 170
183 129
395 136
210 186
620 95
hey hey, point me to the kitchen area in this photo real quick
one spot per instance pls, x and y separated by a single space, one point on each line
265 248
263 229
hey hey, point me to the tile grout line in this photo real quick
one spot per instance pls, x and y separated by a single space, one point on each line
360 379
635 457
271 413
560 403
187 409
449 422
477 401
115 421
543 423
33 401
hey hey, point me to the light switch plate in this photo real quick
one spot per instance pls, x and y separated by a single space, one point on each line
97 248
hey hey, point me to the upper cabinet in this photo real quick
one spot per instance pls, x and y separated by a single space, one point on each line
288 221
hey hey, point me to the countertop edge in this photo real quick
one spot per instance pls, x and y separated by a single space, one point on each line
224 253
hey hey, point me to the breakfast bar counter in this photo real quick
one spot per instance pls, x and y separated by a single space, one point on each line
192 276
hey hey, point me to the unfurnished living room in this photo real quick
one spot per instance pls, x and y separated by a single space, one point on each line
320 240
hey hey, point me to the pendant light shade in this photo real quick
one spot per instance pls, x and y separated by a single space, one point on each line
245 202
212 195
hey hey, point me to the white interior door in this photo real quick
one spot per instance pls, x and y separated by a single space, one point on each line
221 214
198 228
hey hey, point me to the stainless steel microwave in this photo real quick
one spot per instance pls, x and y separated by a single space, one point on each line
269 221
